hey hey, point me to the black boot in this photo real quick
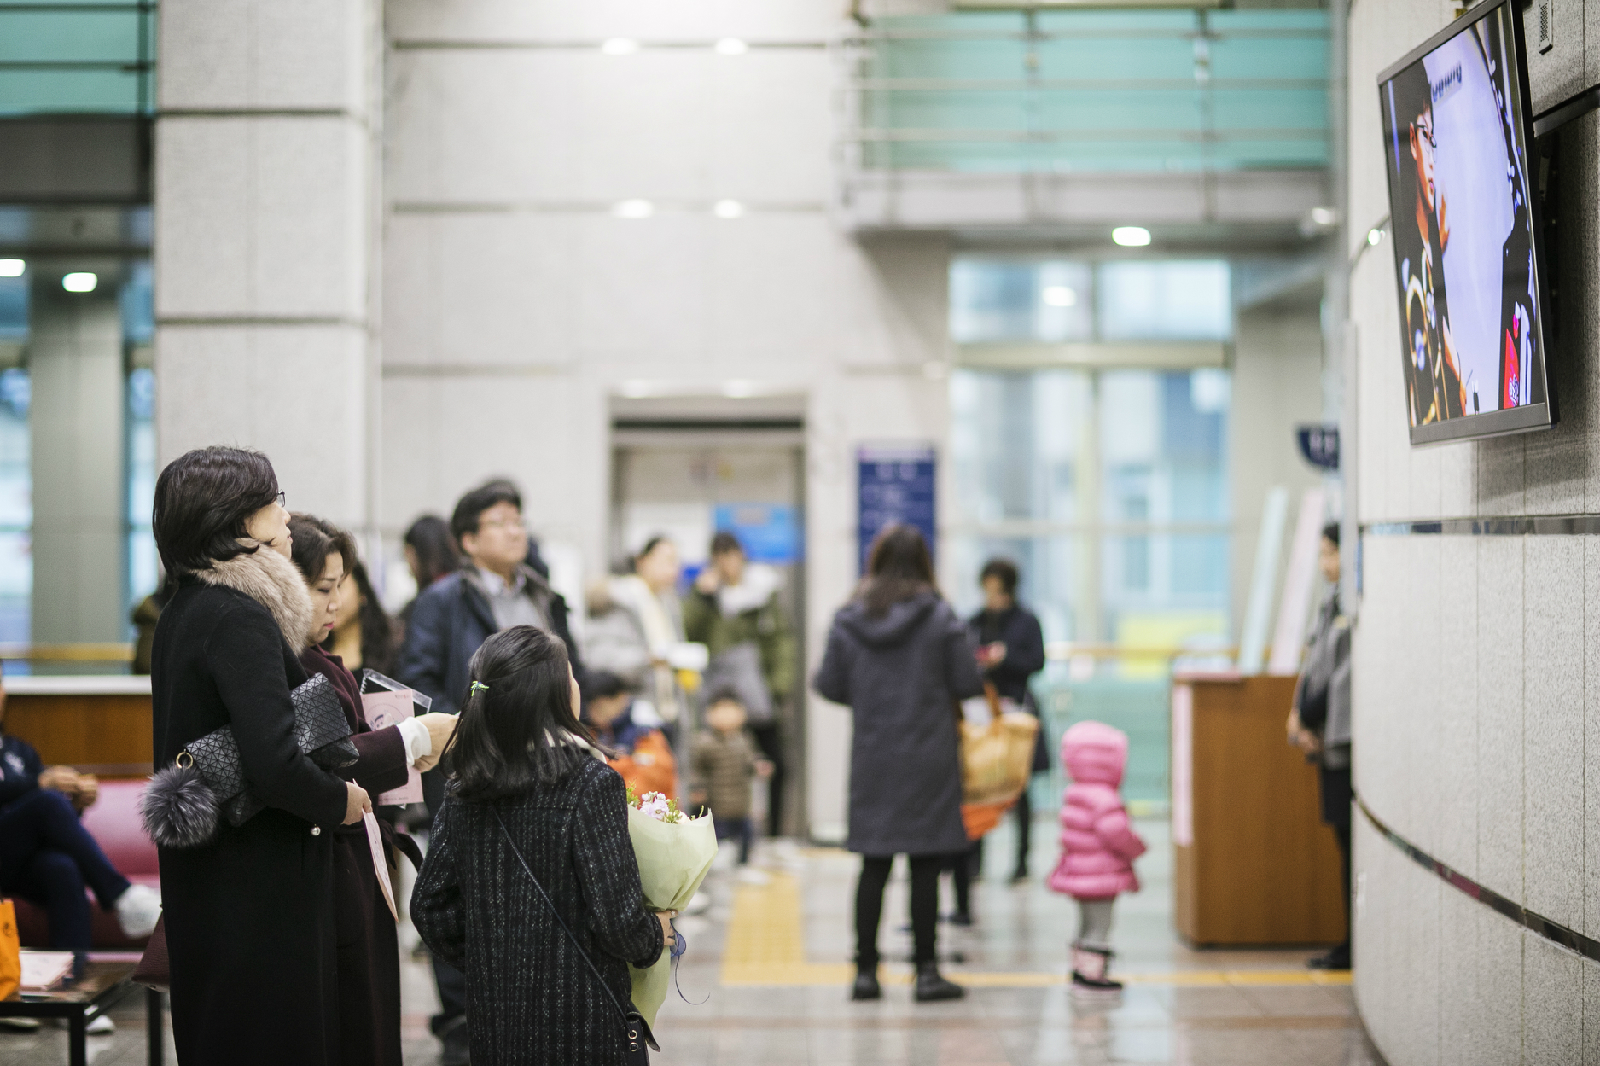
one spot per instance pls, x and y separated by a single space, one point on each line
1336 959
866 986
931 987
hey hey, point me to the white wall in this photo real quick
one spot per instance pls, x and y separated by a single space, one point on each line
1474 698
516 304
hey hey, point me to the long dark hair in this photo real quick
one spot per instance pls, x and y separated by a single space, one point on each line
516 717
429 537
203 500
899 568
377 637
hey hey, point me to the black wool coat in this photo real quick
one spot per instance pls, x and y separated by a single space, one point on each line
902 675
532 999
250 917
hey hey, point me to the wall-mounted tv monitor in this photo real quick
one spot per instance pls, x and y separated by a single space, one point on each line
1464 225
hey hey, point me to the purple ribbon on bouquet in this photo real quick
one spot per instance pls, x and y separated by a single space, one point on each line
680 944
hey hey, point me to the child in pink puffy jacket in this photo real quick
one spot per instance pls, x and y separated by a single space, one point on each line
1098 846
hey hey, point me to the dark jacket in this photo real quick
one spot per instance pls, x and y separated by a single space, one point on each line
901 675
250 918
1018 629
20 767
449 622
531 998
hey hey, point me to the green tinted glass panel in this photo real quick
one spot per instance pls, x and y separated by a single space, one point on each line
74 57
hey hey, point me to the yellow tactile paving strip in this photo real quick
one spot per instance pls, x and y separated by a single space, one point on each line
765 947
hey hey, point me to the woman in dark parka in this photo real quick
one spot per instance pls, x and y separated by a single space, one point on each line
526 780
901 660
250 919
368 946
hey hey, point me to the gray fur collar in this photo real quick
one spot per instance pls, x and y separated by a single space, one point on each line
274 583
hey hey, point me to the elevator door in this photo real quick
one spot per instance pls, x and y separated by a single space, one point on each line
688 485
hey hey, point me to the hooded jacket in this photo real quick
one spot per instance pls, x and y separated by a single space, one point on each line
902 674
1098 844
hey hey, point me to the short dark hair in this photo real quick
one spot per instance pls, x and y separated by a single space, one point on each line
314 540
603 685
464 519
1003 569
724 694
1330 532
437 555
203 501
515 717
655 541
724 542
898 568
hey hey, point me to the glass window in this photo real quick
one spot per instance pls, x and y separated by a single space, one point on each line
1150 300
1016 440
16 508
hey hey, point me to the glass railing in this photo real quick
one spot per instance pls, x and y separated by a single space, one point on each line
1092 91
77 57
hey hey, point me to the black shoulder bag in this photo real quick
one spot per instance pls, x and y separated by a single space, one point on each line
634 1026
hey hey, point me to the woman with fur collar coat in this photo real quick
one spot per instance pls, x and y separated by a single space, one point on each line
250 917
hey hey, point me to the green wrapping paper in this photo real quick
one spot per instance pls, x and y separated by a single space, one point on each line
674 858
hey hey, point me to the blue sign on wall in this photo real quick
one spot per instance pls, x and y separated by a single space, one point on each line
894 483
768 531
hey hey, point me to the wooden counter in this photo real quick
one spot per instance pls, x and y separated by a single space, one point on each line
100 725
1253 865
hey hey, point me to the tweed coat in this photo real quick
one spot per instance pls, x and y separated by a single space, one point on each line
532 1000
901 675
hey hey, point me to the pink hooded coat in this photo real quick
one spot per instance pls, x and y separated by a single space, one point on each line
1098 844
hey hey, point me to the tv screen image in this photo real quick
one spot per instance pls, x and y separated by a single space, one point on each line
1456 135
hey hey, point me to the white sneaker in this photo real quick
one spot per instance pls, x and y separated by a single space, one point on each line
101 1025
749 875
20 1025
137 911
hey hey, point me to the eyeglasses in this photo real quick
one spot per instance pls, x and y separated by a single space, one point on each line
514 524
283 499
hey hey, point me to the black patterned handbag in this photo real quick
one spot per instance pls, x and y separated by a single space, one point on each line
181 807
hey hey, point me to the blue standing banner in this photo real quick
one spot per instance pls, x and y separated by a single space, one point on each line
895 483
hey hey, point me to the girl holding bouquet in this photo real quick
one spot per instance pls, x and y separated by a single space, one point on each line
530 886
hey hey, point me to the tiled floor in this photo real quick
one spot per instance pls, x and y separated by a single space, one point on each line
779 995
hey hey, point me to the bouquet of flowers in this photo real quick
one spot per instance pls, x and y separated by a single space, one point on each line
675 854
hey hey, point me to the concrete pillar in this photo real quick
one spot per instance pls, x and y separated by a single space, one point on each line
75 357
264 201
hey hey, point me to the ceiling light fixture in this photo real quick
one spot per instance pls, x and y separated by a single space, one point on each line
1324 216
636 390
633 209
79 281
1131 236
1058 296
620 46
12 268
731 46
1374 236
738 390
728 209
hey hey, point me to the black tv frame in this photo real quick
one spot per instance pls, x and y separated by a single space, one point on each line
1531 417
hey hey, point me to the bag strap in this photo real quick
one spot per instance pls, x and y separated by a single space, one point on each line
628 1019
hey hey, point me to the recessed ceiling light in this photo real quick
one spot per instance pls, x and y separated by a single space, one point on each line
633 209
728 209
636 390
1131 236
731 46
1374 236
1058 296
738 390
1324 216
12 268
79 281
620 46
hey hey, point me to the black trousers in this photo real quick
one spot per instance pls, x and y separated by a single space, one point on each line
924 907
1337 793
47 857
769 738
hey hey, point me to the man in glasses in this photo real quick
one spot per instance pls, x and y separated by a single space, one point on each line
495 589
